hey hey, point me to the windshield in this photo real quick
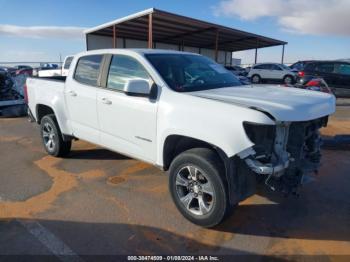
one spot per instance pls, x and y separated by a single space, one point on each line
187 73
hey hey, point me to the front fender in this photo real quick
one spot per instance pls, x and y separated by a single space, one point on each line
214 122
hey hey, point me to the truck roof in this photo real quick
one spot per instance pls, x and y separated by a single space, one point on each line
141 51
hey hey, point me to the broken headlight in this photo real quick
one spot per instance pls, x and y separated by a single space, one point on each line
263 137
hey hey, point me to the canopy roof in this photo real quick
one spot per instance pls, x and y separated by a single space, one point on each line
176 29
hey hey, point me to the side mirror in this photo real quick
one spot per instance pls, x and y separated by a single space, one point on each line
137 87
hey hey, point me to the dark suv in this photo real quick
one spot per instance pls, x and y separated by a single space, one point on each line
335 73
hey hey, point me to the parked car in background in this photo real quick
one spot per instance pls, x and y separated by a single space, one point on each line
25 70
186 114
12 102
10 70
299 66
57 71
314 84
240 74
335 73
237 70
271 72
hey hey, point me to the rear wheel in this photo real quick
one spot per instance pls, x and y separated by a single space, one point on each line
52 137
256 79
288 80
198 188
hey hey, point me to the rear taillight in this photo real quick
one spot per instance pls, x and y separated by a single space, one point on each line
301 73
25 89
314 83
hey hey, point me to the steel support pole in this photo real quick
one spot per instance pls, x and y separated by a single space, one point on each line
114 37
256 55
150 31
216 45
256 51
282 59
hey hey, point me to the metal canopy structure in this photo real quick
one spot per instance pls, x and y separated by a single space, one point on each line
157 26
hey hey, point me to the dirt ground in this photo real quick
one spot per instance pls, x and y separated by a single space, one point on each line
96 202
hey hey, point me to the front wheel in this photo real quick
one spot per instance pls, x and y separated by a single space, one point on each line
197 186
52 137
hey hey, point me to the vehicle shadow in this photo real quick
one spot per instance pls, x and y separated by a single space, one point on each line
96 154
320 212
313 215
96 241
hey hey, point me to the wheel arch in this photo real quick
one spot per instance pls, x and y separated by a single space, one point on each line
255 74
238 185
43 110
176 144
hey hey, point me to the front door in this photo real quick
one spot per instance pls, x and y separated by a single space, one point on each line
127 123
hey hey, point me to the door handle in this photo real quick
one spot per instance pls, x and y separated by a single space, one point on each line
72 93
106 101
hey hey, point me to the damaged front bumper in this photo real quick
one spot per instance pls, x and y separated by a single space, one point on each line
266 169
285 152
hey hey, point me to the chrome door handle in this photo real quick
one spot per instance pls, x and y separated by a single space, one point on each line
106 101
72 93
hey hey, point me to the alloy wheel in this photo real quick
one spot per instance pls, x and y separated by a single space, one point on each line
194 190
49 136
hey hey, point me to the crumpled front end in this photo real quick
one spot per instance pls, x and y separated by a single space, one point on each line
284 153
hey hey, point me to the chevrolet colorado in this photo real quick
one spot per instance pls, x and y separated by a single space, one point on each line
188 115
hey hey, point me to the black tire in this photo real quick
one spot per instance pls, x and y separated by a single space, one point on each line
288 79
209 165
59 147
256 79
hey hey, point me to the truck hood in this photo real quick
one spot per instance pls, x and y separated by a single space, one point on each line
283 103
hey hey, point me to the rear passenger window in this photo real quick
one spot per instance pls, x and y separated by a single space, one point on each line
88 69
325 67
275 67
343 69
122 69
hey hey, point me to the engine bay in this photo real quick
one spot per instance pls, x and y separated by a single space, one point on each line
285 153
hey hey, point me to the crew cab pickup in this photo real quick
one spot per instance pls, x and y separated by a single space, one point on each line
186 114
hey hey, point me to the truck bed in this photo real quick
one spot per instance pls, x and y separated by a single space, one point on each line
45 91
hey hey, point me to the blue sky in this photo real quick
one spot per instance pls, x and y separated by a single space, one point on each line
307 36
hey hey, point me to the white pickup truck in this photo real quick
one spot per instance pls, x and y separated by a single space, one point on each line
186 114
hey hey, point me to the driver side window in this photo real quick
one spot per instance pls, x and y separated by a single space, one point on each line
122 69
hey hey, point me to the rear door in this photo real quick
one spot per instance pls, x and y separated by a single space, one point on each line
325 70
80 94
127 123
342 79
263 70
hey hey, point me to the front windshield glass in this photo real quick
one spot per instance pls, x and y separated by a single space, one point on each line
187 73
